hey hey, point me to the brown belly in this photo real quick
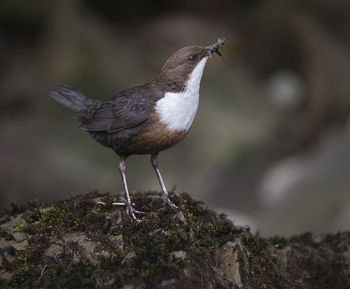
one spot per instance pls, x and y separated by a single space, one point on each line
155 138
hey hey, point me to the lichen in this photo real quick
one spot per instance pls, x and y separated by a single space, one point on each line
78 243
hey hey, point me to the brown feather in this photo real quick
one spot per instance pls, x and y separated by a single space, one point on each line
155 138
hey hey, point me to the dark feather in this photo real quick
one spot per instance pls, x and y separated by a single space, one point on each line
69 97
127 109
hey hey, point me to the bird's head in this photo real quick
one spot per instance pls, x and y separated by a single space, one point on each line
189 61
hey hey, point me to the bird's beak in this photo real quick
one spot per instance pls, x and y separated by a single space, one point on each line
215 47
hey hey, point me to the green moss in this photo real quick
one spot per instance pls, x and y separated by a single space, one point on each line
70 275
78 243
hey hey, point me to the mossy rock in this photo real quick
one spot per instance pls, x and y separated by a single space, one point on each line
78 243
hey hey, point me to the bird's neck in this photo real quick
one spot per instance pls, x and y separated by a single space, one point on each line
177 109
194 80
171 84
168 82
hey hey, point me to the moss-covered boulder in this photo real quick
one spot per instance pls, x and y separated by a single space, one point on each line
78 243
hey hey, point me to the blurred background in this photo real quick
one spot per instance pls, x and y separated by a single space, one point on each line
270 145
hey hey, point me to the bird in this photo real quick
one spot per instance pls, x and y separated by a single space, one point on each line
146 119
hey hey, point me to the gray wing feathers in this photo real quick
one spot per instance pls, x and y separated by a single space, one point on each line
119 114
127 109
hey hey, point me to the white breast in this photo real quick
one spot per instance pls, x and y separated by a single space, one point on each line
177 109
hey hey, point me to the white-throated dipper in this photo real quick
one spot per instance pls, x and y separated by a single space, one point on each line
145 119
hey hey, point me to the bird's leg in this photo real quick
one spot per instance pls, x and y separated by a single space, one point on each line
129 208
165 195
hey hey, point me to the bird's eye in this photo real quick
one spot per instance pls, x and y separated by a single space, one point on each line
191 57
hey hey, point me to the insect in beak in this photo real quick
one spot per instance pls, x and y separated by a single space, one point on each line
214 48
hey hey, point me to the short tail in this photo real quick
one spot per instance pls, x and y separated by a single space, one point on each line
70 97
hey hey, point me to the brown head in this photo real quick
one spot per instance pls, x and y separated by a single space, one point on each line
182 63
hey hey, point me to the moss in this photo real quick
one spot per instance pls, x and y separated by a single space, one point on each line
78 243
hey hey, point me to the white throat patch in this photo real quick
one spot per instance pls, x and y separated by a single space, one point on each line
177 109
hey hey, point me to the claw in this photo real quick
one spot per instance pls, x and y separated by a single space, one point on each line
130 210
167 200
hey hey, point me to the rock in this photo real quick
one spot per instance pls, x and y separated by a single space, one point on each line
8 257
129 257
228 265
19 236
181 217
54 251
20 245
115 218
6 243
181 255
14 221
88 246
168 283
5 275
162 252
129 287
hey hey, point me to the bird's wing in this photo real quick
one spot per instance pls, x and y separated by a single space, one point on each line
129 108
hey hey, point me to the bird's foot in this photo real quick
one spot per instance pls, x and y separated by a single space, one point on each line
166 200
130 210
